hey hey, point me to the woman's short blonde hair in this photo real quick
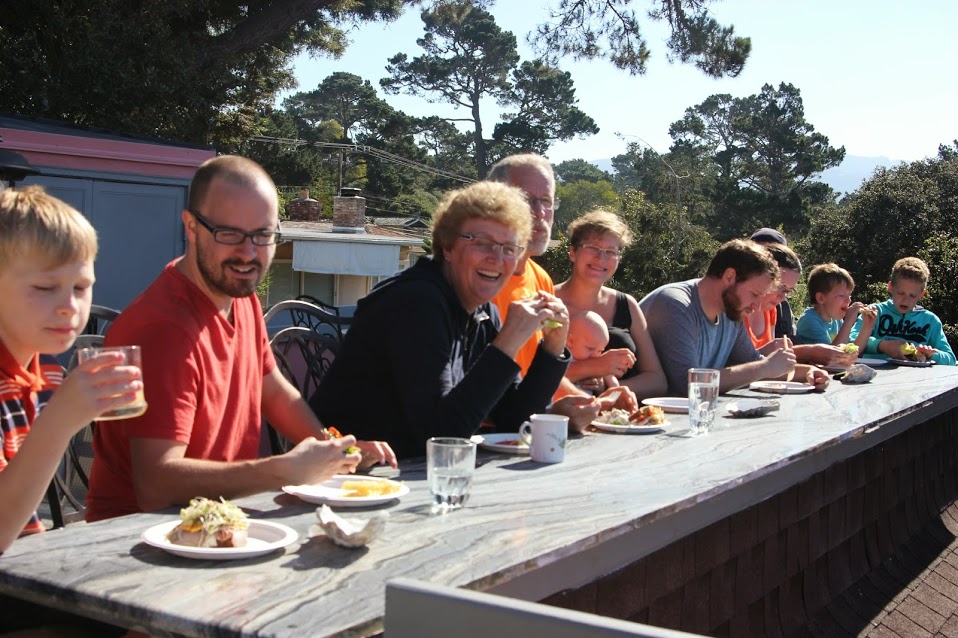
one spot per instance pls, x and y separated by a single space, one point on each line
596 224
482 200
34 222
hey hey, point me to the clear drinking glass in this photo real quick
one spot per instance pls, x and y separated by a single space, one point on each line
132 356
450 464
703 398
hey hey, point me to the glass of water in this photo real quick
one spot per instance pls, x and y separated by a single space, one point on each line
703 398
450 463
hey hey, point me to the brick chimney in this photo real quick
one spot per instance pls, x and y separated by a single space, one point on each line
349 212
304 208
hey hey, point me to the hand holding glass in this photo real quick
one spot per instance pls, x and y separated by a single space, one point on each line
450 464
703 399
132 356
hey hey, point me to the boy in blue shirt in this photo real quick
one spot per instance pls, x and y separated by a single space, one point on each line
832 315
900 322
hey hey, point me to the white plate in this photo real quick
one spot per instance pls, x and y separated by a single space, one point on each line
912 364
781 387
331 493
264 537
677 405
630 429
499 443
865 361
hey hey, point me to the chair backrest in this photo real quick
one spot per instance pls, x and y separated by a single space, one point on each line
66 494
100 319
423 610
303 357
306 315
333 310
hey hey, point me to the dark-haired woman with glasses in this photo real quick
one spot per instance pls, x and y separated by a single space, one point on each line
596 242
426 354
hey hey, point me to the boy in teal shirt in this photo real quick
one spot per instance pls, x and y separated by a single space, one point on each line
900 322
832 315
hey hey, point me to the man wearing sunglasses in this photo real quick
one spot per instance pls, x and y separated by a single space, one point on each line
209 374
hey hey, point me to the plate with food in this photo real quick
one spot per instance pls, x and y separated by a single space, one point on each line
781 387
350 491
218 530
912 364
675 405
505 442
645 420
910 355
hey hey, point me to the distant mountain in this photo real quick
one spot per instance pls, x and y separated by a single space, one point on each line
844 178
849 175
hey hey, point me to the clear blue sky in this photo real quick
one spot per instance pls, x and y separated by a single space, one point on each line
877 76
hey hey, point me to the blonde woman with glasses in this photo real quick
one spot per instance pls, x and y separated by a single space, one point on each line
596 242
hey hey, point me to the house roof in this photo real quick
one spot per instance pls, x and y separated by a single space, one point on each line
323 231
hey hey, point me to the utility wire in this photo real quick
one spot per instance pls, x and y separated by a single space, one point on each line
366 150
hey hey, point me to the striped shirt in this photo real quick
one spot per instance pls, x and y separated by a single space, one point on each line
23 393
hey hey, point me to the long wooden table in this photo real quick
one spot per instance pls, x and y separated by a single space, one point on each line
528 531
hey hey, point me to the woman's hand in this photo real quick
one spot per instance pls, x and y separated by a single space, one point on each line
543 312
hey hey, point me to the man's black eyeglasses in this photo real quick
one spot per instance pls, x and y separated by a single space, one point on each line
235 236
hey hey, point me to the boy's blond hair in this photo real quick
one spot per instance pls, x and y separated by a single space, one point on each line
824 277
34 222
911 268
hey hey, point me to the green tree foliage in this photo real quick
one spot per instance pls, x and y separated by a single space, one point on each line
193 70
650 260
580 197
469 58
940 252
891 216
610 29
346 99
576 170
759 155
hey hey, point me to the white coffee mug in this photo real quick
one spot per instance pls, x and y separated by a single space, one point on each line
546 436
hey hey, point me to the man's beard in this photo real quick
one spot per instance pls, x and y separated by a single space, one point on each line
216 277
733 305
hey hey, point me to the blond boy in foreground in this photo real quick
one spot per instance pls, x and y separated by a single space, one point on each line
46 283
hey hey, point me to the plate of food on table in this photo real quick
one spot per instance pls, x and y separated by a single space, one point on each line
645 420
504 442
350 490
676 405
218 530
912 356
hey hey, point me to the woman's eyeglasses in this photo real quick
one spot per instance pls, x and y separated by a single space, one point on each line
595 251
489 247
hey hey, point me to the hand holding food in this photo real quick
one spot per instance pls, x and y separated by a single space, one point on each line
868 312
530 295
850 348
333 433
854 310
207 523
913 353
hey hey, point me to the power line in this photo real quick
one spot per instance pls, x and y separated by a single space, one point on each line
366 150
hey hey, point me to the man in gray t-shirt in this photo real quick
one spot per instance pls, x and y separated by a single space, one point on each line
698 323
